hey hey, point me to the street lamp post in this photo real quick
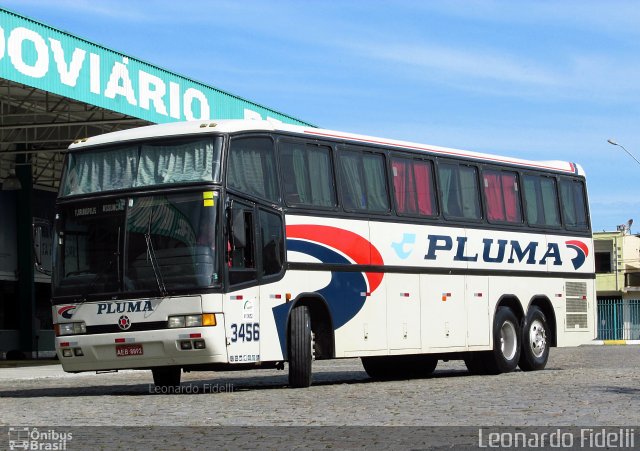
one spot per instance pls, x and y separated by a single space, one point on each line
624 227
614 143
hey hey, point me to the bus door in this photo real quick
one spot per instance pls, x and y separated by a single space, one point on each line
444 316
478 318
241 303
403 311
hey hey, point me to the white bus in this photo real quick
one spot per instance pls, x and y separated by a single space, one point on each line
247 244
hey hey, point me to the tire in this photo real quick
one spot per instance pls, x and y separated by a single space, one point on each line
506 343
300 347
377 367
535 347
166 376
424 366
475 362
418 366
399 367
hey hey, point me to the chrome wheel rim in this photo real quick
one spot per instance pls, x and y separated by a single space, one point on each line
537 338
508 340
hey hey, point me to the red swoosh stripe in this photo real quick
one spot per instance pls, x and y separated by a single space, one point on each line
581 245
358 249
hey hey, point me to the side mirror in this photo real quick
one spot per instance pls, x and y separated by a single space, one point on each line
37 243
42 245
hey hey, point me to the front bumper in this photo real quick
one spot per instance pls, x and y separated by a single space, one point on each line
159 348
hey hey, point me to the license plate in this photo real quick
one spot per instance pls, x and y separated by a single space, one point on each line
127 350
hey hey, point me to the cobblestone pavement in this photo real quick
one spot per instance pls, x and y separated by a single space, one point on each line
585 386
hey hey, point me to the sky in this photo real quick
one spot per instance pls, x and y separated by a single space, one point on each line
541 80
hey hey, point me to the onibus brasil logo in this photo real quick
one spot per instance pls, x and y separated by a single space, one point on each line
33 438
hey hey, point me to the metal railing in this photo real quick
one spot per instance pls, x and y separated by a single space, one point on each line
618 319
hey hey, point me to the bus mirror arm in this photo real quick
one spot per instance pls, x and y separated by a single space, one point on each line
41 269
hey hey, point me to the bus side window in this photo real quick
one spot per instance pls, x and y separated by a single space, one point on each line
449 188
501 196
460 191
573 204
307 174
364 181
413 188
540 195
252 169
241 253
272 242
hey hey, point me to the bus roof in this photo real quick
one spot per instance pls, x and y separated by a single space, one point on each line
240 125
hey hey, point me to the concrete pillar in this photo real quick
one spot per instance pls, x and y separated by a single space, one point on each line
26 289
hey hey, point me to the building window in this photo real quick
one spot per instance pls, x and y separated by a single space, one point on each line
603 262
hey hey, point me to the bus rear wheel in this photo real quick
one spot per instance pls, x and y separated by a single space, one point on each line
535 347
166 376
506 343
300 347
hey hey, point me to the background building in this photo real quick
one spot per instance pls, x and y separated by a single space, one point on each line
617 256
55 88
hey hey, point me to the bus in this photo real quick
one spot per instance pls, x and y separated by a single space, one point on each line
239 244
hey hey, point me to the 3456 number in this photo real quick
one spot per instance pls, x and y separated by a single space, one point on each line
245 332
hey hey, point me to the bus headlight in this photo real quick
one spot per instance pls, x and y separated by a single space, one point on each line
175 321
70 328
205 319
193 321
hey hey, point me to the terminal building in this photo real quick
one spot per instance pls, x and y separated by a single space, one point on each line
56 88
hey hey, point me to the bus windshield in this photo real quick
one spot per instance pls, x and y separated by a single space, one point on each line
142 164
148 245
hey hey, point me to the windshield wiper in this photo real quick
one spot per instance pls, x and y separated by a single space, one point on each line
151 256
118 258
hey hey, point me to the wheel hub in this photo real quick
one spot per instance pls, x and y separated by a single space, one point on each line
537 338
508 340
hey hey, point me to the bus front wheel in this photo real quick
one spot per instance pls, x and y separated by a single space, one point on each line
535 348
300 347
166 376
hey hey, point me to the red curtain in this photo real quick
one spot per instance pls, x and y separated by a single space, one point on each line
493 194
412 181
501 192
422 170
